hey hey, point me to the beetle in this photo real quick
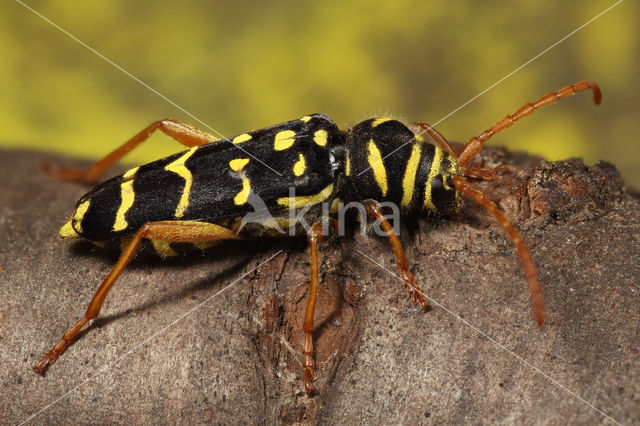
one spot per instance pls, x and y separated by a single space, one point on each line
202 195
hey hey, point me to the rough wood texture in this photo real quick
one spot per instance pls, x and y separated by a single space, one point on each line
476 357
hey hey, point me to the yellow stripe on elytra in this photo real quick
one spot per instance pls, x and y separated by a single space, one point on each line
299 166
435 170
379 121
320 137
347 169
284 139
238 164
242 138
129 173
79 214
181 170
409 179
379 172
305 119
306 200
242 196
68 230
127 195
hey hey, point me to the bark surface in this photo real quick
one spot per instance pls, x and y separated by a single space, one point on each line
218 337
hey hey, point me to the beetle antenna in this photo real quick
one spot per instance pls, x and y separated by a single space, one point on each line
474 145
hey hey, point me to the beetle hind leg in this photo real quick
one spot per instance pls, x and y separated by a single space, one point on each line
170 231
185 134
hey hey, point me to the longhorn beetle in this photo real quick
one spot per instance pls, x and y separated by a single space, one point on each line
200 195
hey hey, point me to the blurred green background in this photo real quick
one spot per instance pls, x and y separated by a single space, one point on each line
241 65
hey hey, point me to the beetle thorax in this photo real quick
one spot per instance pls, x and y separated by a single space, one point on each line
387 162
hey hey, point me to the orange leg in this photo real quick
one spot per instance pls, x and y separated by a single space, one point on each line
314 237
183 133
486 174
474 145
463 186
171 231
416 295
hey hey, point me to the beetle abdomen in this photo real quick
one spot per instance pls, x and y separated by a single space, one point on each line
214 182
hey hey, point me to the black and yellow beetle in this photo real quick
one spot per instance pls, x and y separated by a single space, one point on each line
203 195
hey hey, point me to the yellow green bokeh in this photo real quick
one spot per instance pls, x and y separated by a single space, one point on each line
242 65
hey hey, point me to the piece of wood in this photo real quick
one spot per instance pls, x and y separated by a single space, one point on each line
238 357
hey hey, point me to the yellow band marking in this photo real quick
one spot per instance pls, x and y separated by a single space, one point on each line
435 170
409 180
127 194
320 137
241 138
305 200
299 166
306 118
284 139
379 121
279 225
379 172
418 137
347 169
67 230
181 170
452 170
130 173
81 210
163 248
238 164
242 196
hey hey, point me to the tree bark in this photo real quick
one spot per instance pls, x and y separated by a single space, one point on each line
218 337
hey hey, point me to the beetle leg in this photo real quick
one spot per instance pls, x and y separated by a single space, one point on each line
535 291
415 293
314 237
181 132
486 174
170 231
